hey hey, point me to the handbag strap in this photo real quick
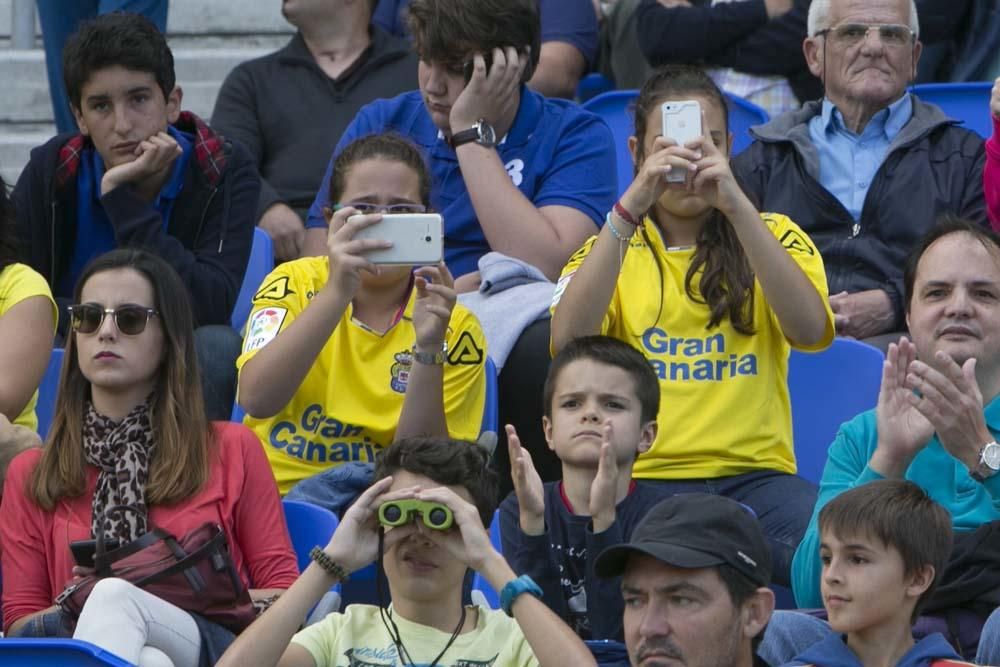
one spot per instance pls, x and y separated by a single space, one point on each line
217 544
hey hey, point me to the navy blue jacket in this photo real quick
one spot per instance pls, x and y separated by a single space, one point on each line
933 167
208 237
561 560
833 652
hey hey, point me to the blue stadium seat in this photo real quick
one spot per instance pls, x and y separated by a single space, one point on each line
491 410
827 389
479 583
55 653
593 85
308 525
47 390
966 101
261 263
616 108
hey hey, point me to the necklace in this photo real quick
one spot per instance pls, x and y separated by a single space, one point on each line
390 625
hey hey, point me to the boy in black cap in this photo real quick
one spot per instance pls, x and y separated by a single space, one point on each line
694 580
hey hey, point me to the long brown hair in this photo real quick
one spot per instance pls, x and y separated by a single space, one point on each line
727 281
180 461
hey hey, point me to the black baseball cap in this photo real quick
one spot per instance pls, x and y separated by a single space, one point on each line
695 530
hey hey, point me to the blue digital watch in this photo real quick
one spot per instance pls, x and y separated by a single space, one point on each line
514 588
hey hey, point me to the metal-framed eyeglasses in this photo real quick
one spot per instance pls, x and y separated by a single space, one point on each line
892 35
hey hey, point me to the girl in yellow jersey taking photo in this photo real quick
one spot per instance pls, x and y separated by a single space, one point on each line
715 293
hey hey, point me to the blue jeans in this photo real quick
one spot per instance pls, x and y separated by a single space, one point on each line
783 504
60 18
217 347
50 624
988 652
788 634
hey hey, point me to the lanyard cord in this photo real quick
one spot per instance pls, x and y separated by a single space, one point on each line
386 616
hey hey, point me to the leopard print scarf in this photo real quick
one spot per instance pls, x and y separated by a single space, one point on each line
121 451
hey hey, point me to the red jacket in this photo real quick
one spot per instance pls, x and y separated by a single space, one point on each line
991 176
241 494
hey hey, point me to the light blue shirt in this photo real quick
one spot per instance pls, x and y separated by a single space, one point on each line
848 161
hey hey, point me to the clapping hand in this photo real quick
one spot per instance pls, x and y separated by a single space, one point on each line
527 486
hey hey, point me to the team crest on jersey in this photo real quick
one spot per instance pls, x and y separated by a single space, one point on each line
264 325
399 372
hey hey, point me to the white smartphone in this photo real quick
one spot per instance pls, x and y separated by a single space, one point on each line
682 123
417 239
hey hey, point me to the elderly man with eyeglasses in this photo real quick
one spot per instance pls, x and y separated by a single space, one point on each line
867 169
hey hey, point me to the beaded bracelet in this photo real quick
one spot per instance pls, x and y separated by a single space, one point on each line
332 567
614 230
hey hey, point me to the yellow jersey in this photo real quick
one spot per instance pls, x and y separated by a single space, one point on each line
17 283
724 405
348 405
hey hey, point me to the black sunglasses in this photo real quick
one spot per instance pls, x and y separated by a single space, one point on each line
130 318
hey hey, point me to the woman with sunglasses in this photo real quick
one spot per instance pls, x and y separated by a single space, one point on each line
27 325
130 429
342 357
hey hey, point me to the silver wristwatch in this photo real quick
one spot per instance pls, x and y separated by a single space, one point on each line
989 462
431 358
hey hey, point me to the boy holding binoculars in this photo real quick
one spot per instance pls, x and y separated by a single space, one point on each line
425 519
601 401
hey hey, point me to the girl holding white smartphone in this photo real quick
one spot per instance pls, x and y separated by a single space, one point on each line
714 293
342 355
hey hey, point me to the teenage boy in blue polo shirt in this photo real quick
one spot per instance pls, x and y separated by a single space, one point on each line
513 171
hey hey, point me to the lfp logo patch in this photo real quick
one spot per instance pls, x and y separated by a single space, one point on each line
263 327
400 371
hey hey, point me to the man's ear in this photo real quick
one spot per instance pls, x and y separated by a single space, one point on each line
174 104
80 122
813 51
920 581
647 436
547 430
918 48
756 612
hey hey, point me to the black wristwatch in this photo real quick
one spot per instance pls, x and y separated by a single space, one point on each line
482 133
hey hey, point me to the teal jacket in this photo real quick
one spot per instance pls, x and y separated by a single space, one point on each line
945 479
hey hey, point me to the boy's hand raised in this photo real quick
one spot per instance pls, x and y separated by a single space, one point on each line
527 485
355 542
469 542
604 489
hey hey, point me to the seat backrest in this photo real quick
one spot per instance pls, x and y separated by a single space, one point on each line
55 652
261 263
827 389
969 102
491 409
308 526
47 392
616 107
742 116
